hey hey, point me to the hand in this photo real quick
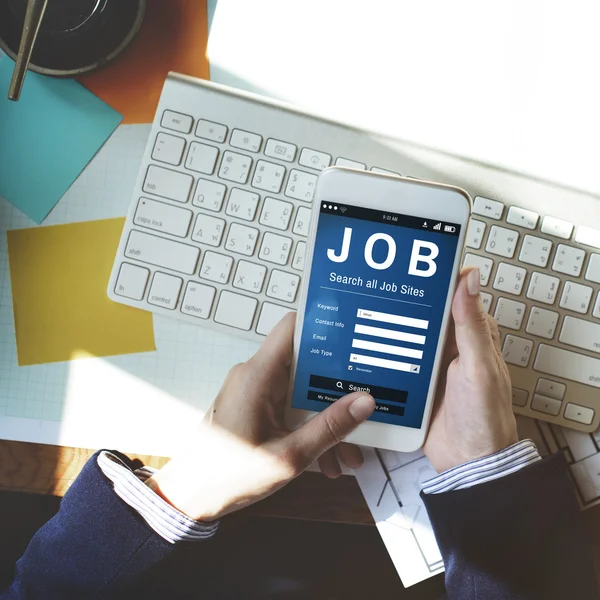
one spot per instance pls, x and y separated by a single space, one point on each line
243 451
473 413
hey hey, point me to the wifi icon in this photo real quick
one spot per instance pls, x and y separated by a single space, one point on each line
343 209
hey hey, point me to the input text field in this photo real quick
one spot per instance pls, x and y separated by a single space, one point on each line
389 334
387 349
384 363
394 319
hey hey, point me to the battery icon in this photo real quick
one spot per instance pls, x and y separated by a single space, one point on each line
449 228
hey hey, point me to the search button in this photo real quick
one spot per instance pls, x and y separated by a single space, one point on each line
377 391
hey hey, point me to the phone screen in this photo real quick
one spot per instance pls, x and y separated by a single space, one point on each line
375 304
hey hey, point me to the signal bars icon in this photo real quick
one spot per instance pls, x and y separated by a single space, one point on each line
437 227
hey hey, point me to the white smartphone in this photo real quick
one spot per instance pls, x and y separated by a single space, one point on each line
381 267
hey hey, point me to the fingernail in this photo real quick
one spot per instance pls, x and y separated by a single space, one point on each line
473 282
361 408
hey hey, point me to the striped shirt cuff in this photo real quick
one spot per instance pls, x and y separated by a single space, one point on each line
484 469
171 524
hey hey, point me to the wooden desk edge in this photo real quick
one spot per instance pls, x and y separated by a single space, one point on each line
47 469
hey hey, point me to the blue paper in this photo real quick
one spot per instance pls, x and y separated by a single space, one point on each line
47 138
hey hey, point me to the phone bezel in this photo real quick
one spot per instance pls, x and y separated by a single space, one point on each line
419 198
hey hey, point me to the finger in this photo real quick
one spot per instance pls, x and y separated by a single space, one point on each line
278 347
473 337
351 455
328 428
330 467
495 332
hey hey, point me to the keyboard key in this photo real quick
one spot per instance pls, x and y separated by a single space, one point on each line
198 300
211 131
268 176
164 290
580 333
270 315
384 172
299 254
276 213
209 195
568 260
235 167
535 251
502 241
579 414
283 286
208 230
557 227
314 159
588 236
216 267
162 217
519 397
281 150
485 266
201 158
492 209
168 184
543 288
131 281
162 252
522 217
249 276
509 313
517 350
351 164
176 121
542 322
592 272
244 140
236 310
242 204
576 297
475 233
543 404
275 248
552 389
486 300
301 185
568 365
302 222
509 279
168 148
596 312
242 239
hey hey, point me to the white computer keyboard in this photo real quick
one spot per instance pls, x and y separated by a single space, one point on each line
216 235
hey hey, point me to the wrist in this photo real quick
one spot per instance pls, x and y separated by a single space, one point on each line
181 494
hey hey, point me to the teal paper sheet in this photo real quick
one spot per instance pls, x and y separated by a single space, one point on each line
47 138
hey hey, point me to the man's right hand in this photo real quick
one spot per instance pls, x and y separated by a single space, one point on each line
473 412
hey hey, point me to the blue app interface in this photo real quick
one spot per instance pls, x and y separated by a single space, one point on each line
375 304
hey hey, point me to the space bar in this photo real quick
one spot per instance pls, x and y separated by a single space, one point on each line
570 365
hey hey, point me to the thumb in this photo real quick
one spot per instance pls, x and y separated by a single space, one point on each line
329 427
471 329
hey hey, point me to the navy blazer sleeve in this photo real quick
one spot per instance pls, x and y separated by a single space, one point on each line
94 547
517 537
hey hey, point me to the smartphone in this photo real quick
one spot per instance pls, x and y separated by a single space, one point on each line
382 263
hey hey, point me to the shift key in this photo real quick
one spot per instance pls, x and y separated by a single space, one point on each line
161 252
570 365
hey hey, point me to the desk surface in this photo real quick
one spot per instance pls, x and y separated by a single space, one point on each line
46 469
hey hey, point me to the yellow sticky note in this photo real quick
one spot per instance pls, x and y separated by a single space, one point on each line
59 276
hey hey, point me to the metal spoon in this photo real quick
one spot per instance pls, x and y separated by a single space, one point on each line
33 19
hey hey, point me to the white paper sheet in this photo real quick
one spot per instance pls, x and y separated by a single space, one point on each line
391 483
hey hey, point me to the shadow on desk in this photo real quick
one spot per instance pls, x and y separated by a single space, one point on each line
292 558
